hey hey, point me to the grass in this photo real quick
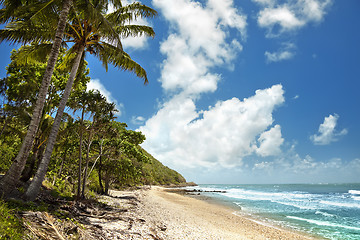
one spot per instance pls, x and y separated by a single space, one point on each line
10 225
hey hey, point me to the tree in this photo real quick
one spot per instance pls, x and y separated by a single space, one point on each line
20 90
103 115
93 35
10 180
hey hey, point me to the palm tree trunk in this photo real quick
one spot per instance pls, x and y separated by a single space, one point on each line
29 169
35 185
10 180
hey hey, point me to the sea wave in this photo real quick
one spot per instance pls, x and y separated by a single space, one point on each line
325 214
259 195
292 204
356 198
324 223
354 192
341 204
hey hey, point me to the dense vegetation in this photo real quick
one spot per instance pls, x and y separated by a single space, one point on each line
93 151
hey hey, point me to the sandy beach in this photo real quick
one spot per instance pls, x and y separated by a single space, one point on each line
157 213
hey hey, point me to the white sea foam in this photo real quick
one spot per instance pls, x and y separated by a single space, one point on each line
324 223
266 196
304 207
324 214
354 192
341 204
356 198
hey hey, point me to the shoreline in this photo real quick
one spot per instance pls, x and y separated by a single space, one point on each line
237 211
167 214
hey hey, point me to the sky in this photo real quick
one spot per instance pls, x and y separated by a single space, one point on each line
244 91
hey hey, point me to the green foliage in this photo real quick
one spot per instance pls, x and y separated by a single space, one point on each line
59 185
10 225
8 151
111 154
156 173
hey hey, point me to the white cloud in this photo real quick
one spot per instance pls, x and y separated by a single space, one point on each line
198 41
286 52
223 135
278 18
327 132
138 120
95 84
282 54
291 167
265 2
282 16
270 142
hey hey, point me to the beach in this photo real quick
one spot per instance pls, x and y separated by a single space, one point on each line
157 213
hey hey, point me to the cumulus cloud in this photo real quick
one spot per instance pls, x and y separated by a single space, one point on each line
281 17
278 17
220 136
270 142
95 84
198 41
327 132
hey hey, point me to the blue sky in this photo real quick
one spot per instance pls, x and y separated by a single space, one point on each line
250 91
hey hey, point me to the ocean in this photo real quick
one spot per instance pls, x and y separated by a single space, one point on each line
326 210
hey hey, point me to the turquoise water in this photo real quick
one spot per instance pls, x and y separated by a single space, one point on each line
328 210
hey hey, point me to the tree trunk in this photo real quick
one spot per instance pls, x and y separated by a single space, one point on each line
28 170
80 153
107 183
87 163
100 168
10 180
35 185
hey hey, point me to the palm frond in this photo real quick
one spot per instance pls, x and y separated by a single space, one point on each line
96 17
9 8
135 31
68 59
29 11
131 12
35 53
26 32
108 53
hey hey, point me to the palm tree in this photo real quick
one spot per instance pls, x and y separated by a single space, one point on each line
10 180
98 35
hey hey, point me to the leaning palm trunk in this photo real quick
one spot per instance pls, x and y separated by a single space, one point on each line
35 185
10 180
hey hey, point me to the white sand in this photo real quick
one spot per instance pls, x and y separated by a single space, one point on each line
158 214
